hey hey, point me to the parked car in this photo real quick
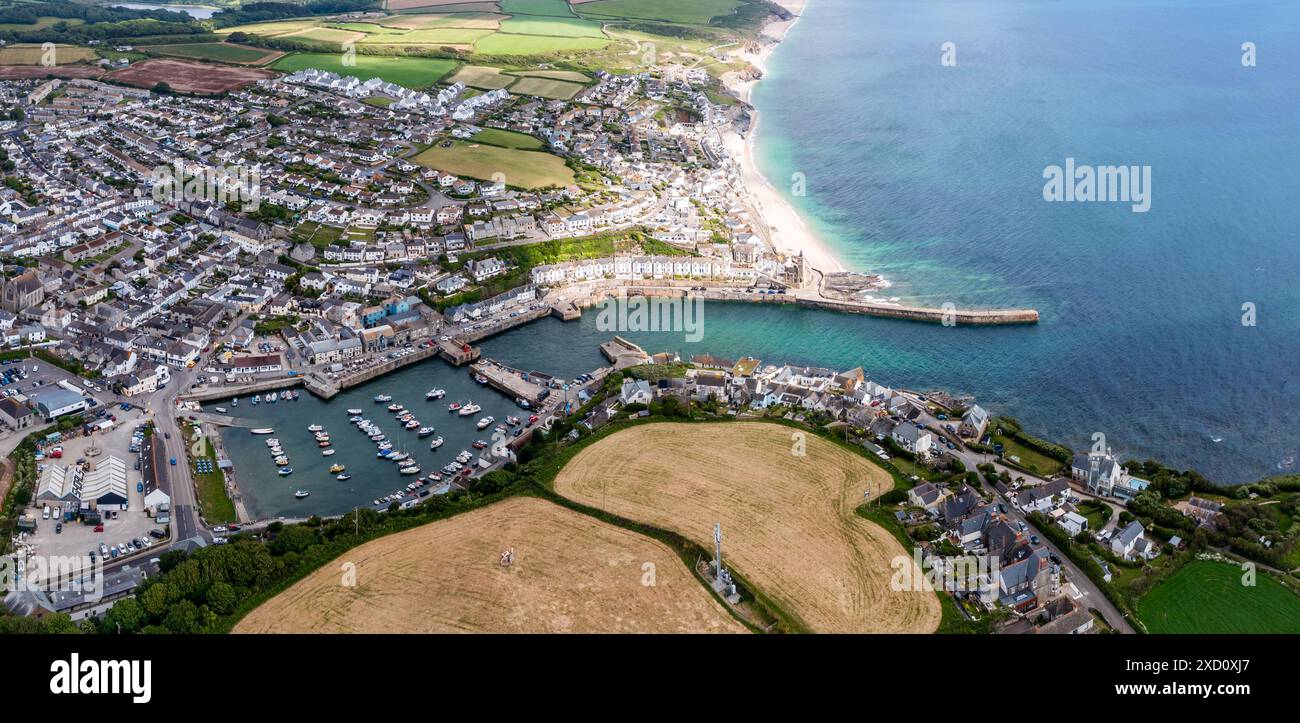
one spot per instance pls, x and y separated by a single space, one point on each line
1033 539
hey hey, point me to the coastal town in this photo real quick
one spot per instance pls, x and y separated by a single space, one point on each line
172 260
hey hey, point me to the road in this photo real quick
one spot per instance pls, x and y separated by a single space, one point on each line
1093 596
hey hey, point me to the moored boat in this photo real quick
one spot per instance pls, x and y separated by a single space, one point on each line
285 471
436 443
301 494
263 430
470 409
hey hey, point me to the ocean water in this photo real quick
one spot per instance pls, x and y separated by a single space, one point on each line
932 175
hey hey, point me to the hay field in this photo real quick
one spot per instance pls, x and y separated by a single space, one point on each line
481 76
572 574
546 88
788 522
31 54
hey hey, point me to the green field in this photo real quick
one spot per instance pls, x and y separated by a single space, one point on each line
558 8
220 52
520 169
41 23
432 36
558 27
1208 597
695 12
1031 460
508 139
510 44
213 500
546 88
408 72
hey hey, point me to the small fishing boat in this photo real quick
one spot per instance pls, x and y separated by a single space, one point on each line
523 403
453 407
272 442
353 412
263 430
413 469
301 494
500 429
285 471
281 461
326 452
234 401
336 468
343 477
395 407
479 444
436 443
512 421
470 409
222 410
435 394
480 379
484 422
272 397
381 398
257 399
424 432
413 424
323 444
314 428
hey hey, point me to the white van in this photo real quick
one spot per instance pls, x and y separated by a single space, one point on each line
45 513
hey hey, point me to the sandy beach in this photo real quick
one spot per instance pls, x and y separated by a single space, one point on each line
790 235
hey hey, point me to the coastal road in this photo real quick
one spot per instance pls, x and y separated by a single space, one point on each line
1093 597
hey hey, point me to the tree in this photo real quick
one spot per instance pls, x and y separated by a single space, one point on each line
222 598
126 615
162 88
154 600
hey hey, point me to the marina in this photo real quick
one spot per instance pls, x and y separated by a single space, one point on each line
376 467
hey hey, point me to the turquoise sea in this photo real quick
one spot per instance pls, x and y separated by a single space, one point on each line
932 175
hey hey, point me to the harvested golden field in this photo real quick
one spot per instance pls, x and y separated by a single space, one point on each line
571 574
31 54
788 523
